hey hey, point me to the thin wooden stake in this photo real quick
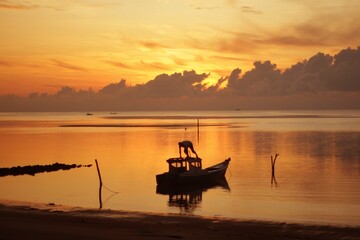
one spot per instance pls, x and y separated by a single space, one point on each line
98 170
273 161
100 187
198 130
273 178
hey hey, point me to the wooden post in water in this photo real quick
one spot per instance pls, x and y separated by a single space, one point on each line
273 161
198 131
98 170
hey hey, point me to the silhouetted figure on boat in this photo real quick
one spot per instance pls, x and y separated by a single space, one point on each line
186 145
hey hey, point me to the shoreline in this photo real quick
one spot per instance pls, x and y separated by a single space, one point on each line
21 220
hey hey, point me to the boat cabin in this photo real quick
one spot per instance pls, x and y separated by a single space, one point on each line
179 165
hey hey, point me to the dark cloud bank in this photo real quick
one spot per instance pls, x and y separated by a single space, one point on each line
320 82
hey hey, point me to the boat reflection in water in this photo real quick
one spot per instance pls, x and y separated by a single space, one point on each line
189 197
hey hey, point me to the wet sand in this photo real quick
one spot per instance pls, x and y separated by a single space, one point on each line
40 221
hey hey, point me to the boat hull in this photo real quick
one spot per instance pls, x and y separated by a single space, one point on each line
206 175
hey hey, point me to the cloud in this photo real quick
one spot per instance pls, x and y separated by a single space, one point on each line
322 29
27 5
68 66
261 80
6 63
152 45
344 74
234 78
235 43
293 40
16 5
118 64
175 85
179 61
66 91
247 9
320 73
24 5
185 84
313 32
98 4
203 8
319 82
114 88
306 76
199 6
154 65
237 59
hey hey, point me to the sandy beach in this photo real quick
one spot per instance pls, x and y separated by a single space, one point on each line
49 221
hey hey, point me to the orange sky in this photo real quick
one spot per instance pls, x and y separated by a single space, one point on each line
47 44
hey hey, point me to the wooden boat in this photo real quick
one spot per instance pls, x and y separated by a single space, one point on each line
189 171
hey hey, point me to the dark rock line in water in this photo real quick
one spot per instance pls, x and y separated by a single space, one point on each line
34 169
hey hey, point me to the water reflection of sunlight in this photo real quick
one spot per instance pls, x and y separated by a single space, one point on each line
316 170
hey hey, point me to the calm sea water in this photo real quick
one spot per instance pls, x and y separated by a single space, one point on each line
317 172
